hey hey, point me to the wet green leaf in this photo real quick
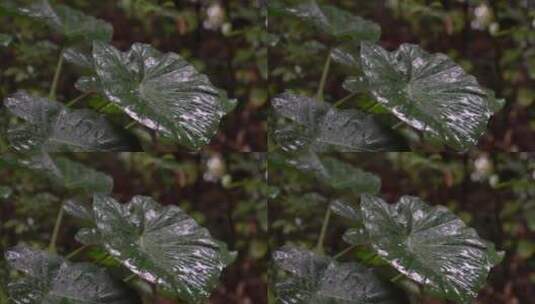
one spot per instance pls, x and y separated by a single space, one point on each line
53 280
429 92
430 245
338 174
347 209
79 57
69 174
356 236
73 24
53 127
347 54
320 279
78 209
162 91
335 22
162 245
320 127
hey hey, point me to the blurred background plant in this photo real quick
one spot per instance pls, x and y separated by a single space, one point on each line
223 39
492 40
492 193
226 194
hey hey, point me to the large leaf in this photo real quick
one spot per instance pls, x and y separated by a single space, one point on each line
71 23
429 92
53 280
321 127
162 245
68 174
53 127
430 245
337 174
162 91
316 279
335 22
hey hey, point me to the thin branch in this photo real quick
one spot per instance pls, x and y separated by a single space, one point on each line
319 246
57 73
57 225
319 94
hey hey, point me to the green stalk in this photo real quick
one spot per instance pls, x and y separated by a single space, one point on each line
371 107
341 101
396 126
319 94
52 94
131 124
101 108
72 102
319 245
52 245
396 278
129 278
76 252
343 252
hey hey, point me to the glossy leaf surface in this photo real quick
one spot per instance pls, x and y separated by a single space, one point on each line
162 92
348 209
53 127
51 279
320 127
162 245
429 92
315 279
336 22
430 245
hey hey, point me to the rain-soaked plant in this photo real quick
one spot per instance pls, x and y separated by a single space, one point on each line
162 92
394 97
141 244
400 252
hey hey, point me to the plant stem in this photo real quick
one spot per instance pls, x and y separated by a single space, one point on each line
72 102
394 279
52 94
341 101
103 107
129 278
319 246
76 252
396 126
343 252
371 107
319 94
52 245
128 126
